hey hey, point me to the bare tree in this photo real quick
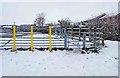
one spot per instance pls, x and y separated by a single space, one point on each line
40 20
65 22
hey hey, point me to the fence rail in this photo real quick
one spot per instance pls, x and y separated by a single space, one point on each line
65 37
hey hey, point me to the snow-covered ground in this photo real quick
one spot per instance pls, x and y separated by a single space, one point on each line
0 64
61 63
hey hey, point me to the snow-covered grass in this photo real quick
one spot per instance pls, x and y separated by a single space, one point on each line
61 63
1 64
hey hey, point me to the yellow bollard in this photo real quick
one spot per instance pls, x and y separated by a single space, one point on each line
50 38
31 36
14 38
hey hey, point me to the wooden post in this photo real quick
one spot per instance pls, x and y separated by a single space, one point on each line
79 33
31 44
50 38
103 44
94 38
103 36
72 33
14 38
90 34
99 40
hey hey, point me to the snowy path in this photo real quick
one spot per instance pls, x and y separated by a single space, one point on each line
61 63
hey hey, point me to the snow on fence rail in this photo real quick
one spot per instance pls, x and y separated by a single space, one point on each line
67 39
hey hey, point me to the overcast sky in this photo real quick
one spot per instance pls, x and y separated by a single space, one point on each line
25 12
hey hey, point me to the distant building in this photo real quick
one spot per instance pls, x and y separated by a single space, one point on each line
6 28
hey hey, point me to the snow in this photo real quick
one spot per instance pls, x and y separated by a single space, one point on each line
0 64
61 63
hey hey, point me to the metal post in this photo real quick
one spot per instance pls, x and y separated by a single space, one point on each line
31 38
50 38
55 29
65 39
94 37
61 31
68 40
14 38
